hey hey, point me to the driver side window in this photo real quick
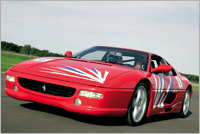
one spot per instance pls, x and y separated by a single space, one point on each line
156 61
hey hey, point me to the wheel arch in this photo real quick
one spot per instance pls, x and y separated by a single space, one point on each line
149 92
190 88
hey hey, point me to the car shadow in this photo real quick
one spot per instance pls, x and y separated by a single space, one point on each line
166 116
105 121
97 120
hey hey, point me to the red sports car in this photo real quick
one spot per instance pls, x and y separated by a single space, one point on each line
103 81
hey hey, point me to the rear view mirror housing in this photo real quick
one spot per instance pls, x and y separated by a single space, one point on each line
68 54
163 67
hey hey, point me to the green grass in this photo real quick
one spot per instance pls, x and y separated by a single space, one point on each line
195 87
9 59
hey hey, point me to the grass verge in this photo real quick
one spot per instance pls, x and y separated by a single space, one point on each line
8 60
195 87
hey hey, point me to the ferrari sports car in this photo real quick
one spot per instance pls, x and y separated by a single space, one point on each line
103 81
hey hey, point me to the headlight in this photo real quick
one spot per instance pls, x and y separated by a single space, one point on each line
10 78
90 94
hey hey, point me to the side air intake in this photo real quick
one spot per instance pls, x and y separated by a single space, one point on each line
170 98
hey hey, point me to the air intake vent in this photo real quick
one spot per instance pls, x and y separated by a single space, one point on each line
170 98
47 88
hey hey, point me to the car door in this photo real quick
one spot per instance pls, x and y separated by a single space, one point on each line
164 84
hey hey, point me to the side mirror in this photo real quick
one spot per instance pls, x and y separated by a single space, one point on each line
68 54
163 67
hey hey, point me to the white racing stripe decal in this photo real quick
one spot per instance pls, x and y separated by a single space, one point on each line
159 104
43 59
179 82
160 96
97 75
159 91
169 84
155 88
162 103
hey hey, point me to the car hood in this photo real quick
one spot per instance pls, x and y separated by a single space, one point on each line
72 70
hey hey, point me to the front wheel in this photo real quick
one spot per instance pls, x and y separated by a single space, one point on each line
138 105
185 105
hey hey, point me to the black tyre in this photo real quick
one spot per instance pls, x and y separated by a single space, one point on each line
138 106
185 104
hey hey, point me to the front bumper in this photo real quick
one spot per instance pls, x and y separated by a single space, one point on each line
114 102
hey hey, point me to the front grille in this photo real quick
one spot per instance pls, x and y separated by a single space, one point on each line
47 88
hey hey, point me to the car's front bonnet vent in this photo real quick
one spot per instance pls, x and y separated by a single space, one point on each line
47 88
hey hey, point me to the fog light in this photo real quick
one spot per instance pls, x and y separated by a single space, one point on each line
15 88
10 78
77 101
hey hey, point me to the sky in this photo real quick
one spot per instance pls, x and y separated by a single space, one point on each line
167 28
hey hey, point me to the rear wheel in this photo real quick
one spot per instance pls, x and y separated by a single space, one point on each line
186 104
138 105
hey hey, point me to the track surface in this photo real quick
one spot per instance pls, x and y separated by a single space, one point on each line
24 117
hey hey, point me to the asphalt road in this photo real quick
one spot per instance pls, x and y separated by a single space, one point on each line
24 117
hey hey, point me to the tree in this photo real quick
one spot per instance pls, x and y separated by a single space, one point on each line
5 46
19 49
26 49
45 53
3 43
34 51
13 47
193 78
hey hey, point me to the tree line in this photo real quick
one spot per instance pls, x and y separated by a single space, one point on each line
192 78
28 50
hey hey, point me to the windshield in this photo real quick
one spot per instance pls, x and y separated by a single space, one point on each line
131 58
